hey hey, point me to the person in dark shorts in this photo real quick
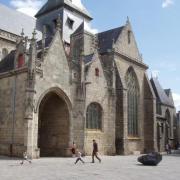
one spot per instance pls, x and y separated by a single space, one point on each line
95 151
79 157
73 149
25 158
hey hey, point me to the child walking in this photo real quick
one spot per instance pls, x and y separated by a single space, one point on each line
79 157
25 158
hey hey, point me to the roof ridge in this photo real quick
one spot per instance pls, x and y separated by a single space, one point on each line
111 29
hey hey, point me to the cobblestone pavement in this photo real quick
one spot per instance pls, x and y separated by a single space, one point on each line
111 168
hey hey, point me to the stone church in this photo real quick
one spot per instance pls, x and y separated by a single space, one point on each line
65 84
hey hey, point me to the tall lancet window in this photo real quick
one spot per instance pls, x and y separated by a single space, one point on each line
94 116
132 101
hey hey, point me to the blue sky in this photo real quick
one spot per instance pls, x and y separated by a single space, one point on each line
156 26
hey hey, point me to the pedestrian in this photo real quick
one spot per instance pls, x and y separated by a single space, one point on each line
167 148
73 149
95 151
79 157
25 158
170 148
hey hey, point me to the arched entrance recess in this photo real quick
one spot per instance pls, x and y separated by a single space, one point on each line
53 125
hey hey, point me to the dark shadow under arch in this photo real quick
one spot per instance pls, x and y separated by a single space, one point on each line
53 126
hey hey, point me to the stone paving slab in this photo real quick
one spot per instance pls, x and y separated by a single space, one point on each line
111 168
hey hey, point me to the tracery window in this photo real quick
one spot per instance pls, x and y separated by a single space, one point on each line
94 116
168 123
132 101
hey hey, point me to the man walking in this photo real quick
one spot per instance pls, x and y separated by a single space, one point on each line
95 151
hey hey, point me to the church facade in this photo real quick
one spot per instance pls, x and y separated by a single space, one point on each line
72 85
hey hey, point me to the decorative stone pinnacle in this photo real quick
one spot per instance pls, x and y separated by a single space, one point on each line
22 32
58 25
127 21
34 34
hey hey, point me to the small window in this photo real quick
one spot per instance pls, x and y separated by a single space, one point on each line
55 22
20 61
70 23
94 116
97 72
129 37
4 52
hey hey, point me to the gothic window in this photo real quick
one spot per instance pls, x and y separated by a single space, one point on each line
77 49
97 72
129 37
20 61
158 108
4 52
94 116
168 122
132 101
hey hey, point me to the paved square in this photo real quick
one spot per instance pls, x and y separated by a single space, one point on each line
111 168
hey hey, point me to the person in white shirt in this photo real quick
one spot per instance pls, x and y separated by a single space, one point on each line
79 157
25 158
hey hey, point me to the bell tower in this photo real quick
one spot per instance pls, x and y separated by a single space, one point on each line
71 16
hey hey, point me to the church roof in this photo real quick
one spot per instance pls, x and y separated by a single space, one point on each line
7 63
13 21
55 4
167 91
161 95
106 39
48 41
80 29
88 58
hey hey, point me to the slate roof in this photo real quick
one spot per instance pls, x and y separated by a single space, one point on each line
7 63
88 58
167 91
55 4
13 21
80 29
161 95
106 39
48 41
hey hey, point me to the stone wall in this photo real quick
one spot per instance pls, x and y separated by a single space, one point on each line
150 134
97 91
123 64
12 103
7 45
55 77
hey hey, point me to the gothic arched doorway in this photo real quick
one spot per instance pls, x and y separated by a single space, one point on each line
53 126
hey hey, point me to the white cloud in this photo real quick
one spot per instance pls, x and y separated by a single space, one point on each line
78 3
29 7
176 98
88 28
167 3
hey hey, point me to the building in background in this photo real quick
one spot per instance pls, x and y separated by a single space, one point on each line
165 115
177 127
72 85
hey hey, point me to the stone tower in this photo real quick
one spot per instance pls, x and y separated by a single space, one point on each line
71 17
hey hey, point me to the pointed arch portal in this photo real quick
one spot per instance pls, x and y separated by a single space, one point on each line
53 126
